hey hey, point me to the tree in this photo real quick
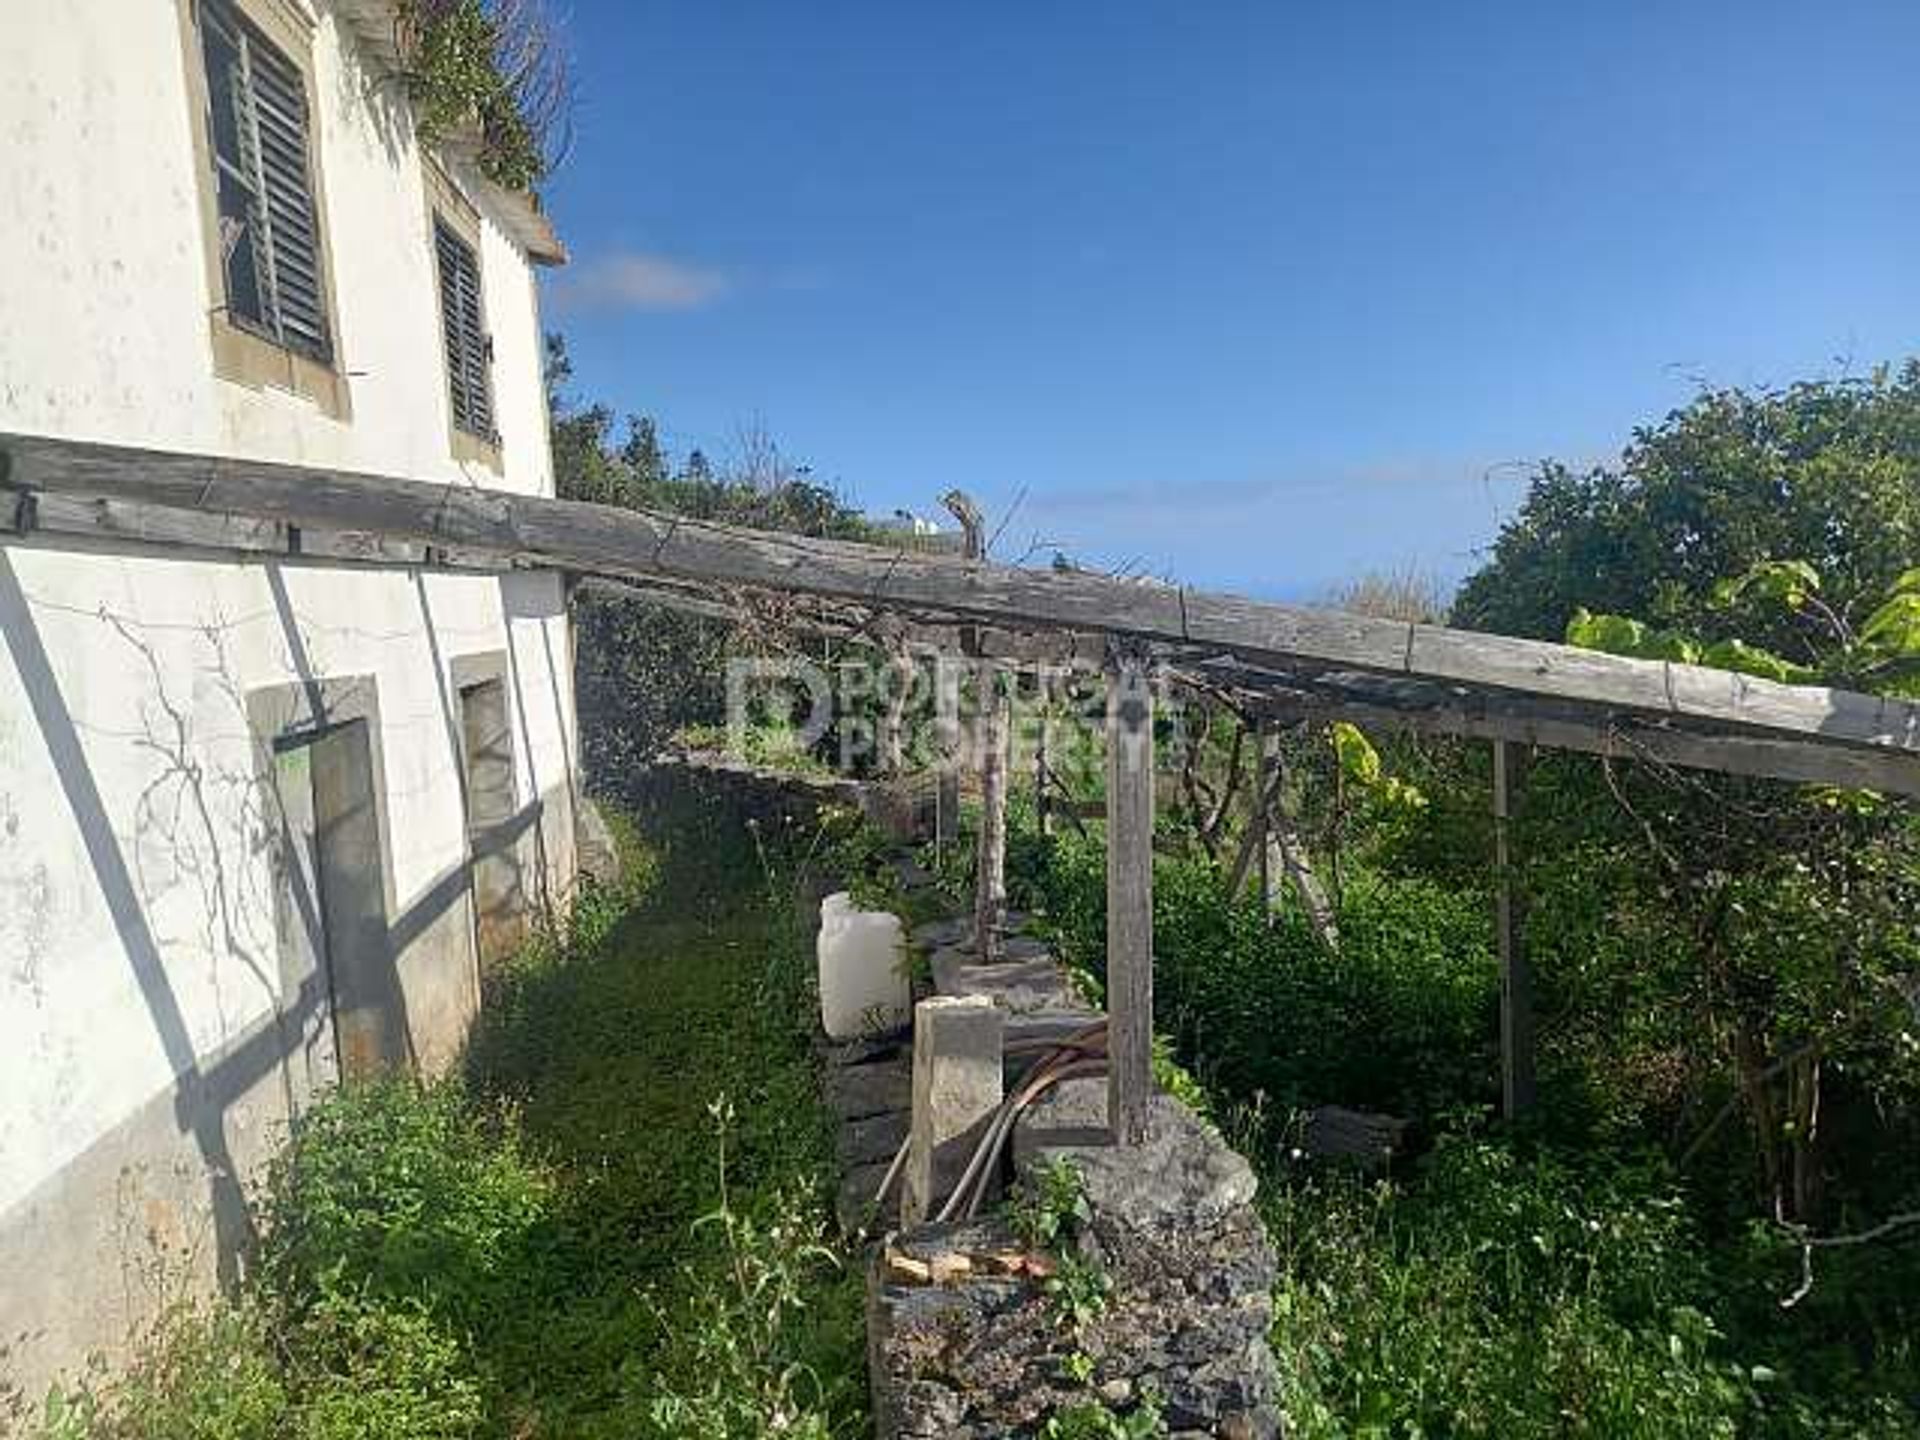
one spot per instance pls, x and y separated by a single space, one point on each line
1753 930
1827 472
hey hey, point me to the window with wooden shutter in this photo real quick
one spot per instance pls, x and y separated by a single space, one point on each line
463 325
259 135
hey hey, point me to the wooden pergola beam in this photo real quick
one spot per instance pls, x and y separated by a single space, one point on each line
1623 737
602 539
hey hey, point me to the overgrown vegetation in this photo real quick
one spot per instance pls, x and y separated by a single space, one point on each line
1707 1227
499 67
612 1225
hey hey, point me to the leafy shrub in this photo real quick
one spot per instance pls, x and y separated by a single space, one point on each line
424 1277
395 1193
1499 1295
744 1353
200 1374
1403 1019
1093 1420
385 1370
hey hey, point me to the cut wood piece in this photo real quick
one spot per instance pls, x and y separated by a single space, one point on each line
1287 854
1334 1132
1627 738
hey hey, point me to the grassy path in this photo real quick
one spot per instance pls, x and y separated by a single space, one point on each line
623 1062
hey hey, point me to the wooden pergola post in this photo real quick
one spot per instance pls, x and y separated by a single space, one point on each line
1264 798
1042 791
1129 891
947 741
994 722
990 866
1517 1085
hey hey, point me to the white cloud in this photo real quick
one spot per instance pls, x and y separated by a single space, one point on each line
630 280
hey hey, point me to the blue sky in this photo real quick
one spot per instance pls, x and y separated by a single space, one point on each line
1257 296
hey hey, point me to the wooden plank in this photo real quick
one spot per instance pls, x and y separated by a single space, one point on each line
362 546
1518 1091
154 525
602 539
1129 893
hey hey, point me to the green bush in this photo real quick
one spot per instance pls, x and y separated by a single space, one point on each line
1494 1287
521 1252
393 1193
1404 1019
1499 1295
387 1370
202 1373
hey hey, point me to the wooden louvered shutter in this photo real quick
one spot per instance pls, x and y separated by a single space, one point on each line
462 322
293 241
261 139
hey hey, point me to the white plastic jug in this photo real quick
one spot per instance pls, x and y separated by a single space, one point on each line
863 971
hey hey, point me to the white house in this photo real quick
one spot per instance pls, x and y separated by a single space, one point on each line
262 812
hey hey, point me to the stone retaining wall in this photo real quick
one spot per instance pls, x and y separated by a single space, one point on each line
964 1343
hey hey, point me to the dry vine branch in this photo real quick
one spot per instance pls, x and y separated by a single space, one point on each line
1809 1243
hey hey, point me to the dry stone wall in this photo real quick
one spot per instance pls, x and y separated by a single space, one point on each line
965 1341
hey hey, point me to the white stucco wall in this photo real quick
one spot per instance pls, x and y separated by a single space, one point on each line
151 659
136 896
104 293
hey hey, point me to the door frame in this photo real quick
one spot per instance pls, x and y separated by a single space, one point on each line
295 713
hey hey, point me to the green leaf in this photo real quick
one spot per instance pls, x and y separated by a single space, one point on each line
1615 634
1359 761
1894 629
1785 582
1907 584
1748 659
1622 635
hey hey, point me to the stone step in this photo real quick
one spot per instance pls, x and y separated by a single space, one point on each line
1055 1022
854 1203
958 930
877 1048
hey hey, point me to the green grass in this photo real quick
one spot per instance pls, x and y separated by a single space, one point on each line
613 1224
614 1066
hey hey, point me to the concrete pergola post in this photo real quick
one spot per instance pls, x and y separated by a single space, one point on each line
958 1084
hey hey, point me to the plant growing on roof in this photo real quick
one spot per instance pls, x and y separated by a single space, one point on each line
498 65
